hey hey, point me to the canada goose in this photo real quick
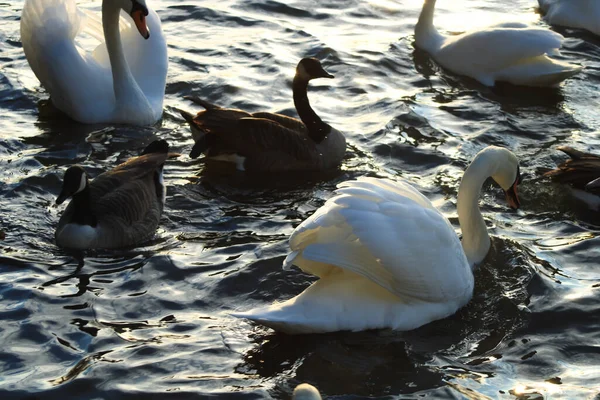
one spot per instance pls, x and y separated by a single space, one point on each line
265 141
509 52
386 257
118 208
582 172
121 81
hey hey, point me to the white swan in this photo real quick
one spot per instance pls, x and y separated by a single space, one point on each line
510 52
306 391
386 257
584 14
121 81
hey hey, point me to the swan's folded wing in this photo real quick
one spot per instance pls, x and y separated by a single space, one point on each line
497 48
403 246
93 27
327 220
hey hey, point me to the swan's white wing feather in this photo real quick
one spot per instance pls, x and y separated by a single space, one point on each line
584 14
385 232
510 24
489 50
346 301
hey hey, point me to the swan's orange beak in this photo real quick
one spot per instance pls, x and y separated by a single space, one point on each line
512 198
140 22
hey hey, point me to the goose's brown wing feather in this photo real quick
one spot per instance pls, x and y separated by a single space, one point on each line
288 122
132 169
258 136
130 204
577 171
577 154
219 120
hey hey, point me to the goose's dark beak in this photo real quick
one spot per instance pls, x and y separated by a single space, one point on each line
62 197
139 13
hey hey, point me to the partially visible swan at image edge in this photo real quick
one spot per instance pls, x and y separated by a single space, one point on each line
121 81
509 52
386 257
583 14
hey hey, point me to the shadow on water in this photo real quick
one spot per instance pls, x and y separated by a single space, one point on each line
384 362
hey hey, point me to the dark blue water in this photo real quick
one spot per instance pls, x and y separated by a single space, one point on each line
152 321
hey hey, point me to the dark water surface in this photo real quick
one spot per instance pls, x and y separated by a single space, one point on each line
153 321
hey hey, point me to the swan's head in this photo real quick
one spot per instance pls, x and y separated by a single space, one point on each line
138 11
75 181
311 68
304 391
507 174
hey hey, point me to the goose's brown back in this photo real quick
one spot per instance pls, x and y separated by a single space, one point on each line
579 170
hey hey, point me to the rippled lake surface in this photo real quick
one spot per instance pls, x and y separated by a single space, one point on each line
153 321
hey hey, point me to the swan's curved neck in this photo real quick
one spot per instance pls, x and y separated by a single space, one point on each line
124 83
83 214
317 129
475 238
426 36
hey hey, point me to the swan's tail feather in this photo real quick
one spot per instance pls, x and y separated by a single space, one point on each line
539 71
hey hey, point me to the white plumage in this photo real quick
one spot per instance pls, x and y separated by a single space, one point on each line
385 256
583 14
306 391
86 85
509 52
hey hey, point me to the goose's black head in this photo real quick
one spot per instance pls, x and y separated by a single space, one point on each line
311 68
75 181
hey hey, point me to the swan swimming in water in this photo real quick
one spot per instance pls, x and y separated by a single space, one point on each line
509 52
121 81
386 257
583 14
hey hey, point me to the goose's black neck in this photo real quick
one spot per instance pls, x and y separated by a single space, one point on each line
317 129
83 214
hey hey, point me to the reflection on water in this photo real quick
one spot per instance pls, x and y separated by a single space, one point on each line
154 320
